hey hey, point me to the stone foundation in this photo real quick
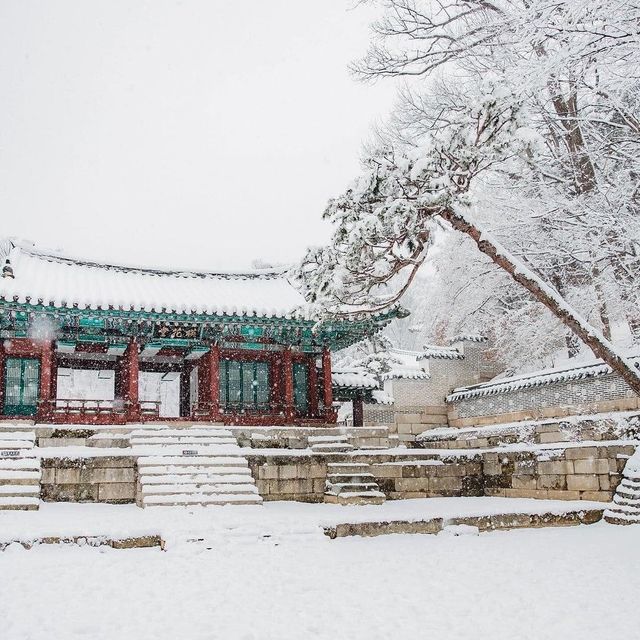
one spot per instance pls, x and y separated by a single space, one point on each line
300 478
407 422
109 479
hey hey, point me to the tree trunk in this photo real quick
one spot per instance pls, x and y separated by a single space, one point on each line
600 346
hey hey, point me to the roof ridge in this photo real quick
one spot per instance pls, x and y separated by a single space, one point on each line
264 274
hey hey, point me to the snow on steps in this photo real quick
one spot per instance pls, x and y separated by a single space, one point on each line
625 508
19 470
330 444
352 483
191 466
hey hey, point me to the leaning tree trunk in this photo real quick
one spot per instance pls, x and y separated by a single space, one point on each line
547 296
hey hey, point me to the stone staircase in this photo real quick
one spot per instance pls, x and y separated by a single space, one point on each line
625 508
191 466
327 445
351 483
19 469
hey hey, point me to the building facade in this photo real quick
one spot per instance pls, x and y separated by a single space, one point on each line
240 348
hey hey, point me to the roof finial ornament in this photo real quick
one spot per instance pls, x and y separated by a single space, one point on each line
7 270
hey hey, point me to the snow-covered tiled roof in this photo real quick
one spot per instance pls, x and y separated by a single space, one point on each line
354 378
442 353
50 279
535 379
407 366
468 337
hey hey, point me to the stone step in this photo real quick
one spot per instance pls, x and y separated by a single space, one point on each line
339 487
180 433
213 472
206 489
346 478
19 490
356 498
628 501
9 477
348 467
203 500
16 444
110 443
229 474
193 461
19 462
187 438
324 439
331 447
17 503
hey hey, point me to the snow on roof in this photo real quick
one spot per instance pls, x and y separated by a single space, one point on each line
535 379
354 378
442 353
468 337
380 396
50 279
407 366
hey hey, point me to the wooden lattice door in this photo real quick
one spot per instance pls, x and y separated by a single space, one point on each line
21 384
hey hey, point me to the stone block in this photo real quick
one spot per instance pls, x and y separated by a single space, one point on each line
494 492
287 471
555 467
579 453
554 494
67 476
413 484
445 484
583 483
116 492
524 482
48 475
268 472
263 487
295 486
387 471
492 468
591 465
406 495
597 496
525 467
75 492
605 482
554 436
62 442
552 482
110 462
118 474
317 471
525 493
449 470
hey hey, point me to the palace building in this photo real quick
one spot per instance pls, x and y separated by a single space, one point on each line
238 348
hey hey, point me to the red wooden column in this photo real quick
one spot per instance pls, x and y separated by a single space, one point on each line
130 372
3 357
358 411
313 387
47 364
287 372
209 381
214 381
326 378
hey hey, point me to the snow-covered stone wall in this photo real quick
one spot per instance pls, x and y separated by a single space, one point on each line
589 395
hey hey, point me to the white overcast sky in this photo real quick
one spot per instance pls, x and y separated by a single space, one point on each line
193 133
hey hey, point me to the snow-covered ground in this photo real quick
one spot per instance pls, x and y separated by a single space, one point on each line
271 573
